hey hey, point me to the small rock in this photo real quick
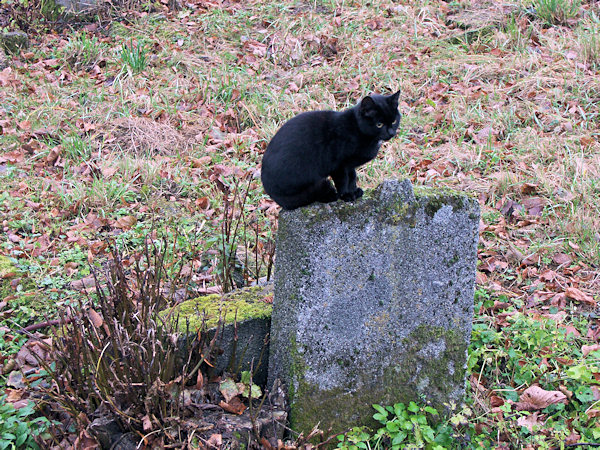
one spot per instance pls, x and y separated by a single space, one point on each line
14 41
109 434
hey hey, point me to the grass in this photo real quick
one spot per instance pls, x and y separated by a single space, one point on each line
556 12
147 118
589 39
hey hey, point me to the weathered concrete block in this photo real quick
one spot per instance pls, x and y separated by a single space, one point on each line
373 303
245 317
14 41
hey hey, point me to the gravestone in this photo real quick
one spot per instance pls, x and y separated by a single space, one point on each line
373 303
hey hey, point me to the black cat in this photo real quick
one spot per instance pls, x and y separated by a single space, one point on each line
312 146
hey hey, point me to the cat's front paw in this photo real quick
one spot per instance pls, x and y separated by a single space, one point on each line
351 196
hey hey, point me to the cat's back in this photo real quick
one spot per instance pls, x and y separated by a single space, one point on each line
303 128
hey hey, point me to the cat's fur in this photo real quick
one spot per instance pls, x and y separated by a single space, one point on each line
316 145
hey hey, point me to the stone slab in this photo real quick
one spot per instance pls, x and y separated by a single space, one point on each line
245 321
373 303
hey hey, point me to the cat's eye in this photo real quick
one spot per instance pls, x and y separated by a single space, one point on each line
379 125
395 122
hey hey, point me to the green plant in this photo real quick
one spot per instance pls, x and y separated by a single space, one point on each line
134 56
76 148
10 345
556 12
403 427
100 194
31 14
588 36
18 429
82 51
516 37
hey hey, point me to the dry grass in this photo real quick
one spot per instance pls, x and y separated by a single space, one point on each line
139 136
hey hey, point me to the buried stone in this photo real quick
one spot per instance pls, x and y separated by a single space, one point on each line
373 303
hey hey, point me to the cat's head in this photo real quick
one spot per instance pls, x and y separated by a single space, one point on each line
378 115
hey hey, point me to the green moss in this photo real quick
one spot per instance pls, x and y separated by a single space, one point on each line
239 305
336 408
6 267
395 212
432 199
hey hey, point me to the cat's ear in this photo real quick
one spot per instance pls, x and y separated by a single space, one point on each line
367 106
394 97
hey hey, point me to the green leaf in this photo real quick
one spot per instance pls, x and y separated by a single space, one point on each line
399 409
380 417
381 409
399 438
428 434
413 407
431 410
21 439
392 426
245 378
580 372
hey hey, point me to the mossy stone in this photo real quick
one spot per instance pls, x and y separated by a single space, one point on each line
207 310
14 41
245 316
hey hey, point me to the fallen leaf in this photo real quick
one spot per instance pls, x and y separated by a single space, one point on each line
562 258
587 349
234 406
535 398
565 391
529 421
84 283
85 441
534 205
496 401
570 329
14 395
125 222
492 263
147 423
202 203
528 188
572 438
95 318
580 296
215 440
229 389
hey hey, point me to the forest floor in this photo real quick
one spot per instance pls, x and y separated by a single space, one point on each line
156 123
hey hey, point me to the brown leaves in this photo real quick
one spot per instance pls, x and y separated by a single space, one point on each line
530 421
234 406
587 349
125 222
580 296
535 398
